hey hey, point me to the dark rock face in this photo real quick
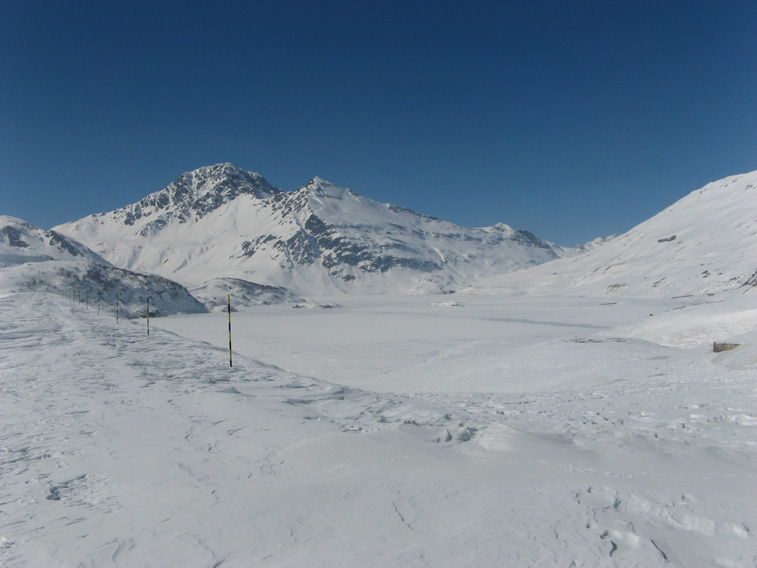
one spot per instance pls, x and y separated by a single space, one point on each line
13 237
64 243
196 194
529 239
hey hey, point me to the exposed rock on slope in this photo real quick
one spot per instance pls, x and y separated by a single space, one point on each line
21 242
222 222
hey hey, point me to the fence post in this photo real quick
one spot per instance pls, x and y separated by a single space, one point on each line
228 303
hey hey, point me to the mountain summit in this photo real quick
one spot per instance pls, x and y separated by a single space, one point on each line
192 196
222 222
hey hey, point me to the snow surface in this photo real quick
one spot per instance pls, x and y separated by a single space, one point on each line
501 431
704 243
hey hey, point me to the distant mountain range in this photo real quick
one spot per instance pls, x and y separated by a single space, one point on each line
220 230
222 222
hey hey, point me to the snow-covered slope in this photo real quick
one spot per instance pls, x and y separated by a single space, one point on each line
317 239
93 285
21 242
214 294
704 243
35 260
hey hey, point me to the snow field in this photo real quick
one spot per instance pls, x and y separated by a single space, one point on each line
119 449
553 389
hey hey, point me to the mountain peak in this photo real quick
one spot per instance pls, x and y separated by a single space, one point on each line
226 179
194 194
220 221
318 183
500 228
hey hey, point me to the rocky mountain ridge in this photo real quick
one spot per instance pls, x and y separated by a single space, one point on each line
222 222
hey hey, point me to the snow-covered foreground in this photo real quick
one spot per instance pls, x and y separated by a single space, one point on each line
407 432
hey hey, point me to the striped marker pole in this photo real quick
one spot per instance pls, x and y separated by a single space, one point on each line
99 295
228 304
116 307
148 312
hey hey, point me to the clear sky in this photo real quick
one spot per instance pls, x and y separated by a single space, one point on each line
570 119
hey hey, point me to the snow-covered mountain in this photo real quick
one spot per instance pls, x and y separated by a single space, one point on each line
193 195
703 244
506 431
21 242
585 247
33 260
222 222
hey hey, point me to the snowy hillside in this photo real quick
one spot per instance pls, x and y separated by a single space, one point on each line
317 239
21 242
35 260
705 243
92 284
215 292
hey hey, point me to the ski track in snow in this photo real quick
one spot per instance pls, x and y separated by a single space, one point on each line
119 449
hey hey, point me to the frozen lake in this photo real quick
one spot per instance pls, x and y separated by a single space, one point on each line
361 341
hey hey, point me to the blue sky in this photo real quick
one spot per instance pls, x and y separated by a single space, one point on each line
570 119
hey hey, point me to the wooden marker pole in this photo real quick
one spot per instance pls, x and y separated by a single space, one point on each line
148 312
228 303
